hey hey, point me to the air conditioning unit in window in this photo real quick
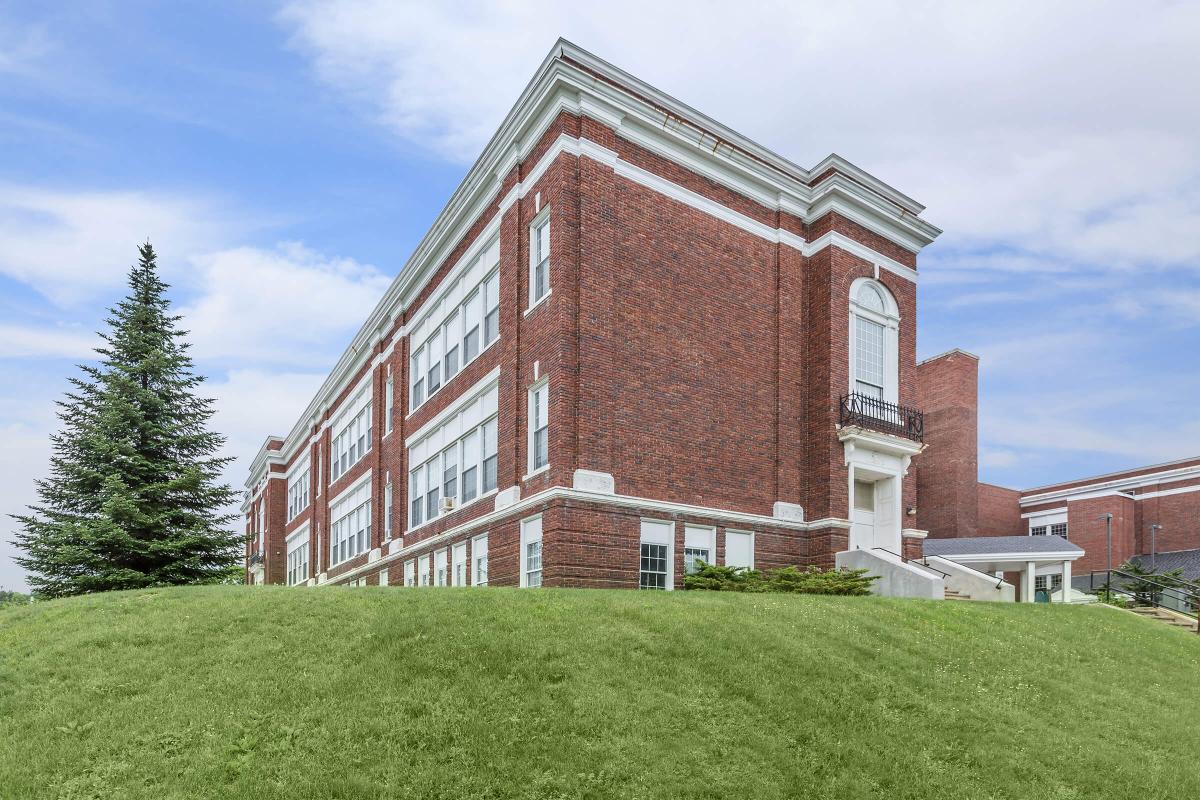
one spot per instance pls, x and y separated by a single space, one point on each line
447 504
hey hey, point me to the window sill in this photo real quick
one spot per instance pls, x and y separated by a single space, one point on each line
483 496
541 301
536 472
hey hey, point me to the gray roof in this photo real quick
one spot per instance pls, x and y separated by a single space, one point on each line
1187 560
999 545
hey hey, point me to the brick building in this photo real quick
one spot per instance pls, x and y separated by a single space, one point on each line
633 339
1152 510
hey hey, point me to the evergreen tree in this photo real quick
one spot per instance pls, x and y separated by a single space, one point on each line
134 497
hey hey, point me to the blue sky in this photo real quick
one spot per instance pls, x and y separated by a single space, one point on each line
286 158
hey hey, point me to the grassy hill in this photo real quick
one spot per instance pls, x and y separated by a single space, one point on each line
348 693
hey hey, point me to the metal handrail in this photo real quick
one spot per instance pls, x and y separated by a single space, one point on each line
910 560
876 414
1151 598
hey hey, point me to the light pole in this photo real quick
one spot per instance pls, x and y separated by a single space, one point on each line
1108 518
1154 529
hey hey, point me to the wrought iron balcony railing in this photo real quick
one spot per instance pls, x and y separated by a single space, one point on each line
874 414
256 557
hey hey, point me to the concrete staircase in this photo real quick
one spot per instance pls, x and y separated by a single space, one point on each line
952 594
1164 616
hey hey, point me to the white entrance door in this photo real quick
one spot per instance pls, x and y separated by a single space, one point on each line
862 520
887 515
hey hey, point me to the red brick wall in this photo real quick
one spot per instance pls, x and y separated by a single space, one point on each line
1086 529
948 470
1000 511
1178 514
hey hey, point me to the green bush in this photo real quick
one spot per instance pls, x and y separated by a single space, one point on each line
810 580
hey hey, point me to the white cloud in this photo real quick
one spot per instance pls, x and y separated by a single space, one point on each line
252 404
25 341
1051 127
289 305
69 245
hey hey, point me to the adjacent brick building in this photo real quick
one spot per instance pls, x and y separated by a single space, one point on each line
632 340
1153 508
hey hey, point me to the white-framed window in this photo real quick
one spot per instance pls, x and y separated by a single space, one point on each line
460 564
383 577
874 337
1051 582
410 573
426 570
389 399
656 555
491 309
441 570
298 492
1037 530
297 560
319 475
416 374
352 442
739 549
699 545
387 509
531 552
459 325
452 335
1059 529
539 259
479 563
350 531
463 470
539 425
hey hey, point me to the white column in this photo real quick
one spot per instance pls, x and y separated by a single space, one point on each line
1027 581
1066 581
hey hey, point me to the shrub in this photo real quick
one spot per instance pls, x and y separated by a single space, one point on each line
810 580
821 581
712 578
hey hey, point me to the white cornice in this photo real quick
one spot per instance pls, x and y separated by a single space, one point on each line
1115 486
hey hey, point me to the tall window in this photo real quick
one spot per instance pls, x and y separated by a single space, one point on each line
440 569
699 545
539 260
387 510
389 396
874 354
460 564
479 565
298 493
297 560
352 442
410 573
531 552
426 573
350 531
655 554
539 426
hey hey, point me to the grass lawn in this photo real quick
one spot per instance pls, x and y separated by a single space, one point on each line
231 692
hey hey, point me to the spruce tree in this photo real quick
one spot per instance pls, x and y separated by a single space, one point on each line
134 497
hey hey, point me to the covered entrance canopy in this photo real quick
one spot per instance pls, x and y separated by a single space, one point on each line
1032 556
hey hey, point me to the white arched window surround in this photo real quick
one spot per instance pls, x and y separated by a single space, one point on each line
874 340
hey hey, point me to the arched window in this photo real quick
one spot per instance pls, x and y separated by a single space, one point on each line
874 341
